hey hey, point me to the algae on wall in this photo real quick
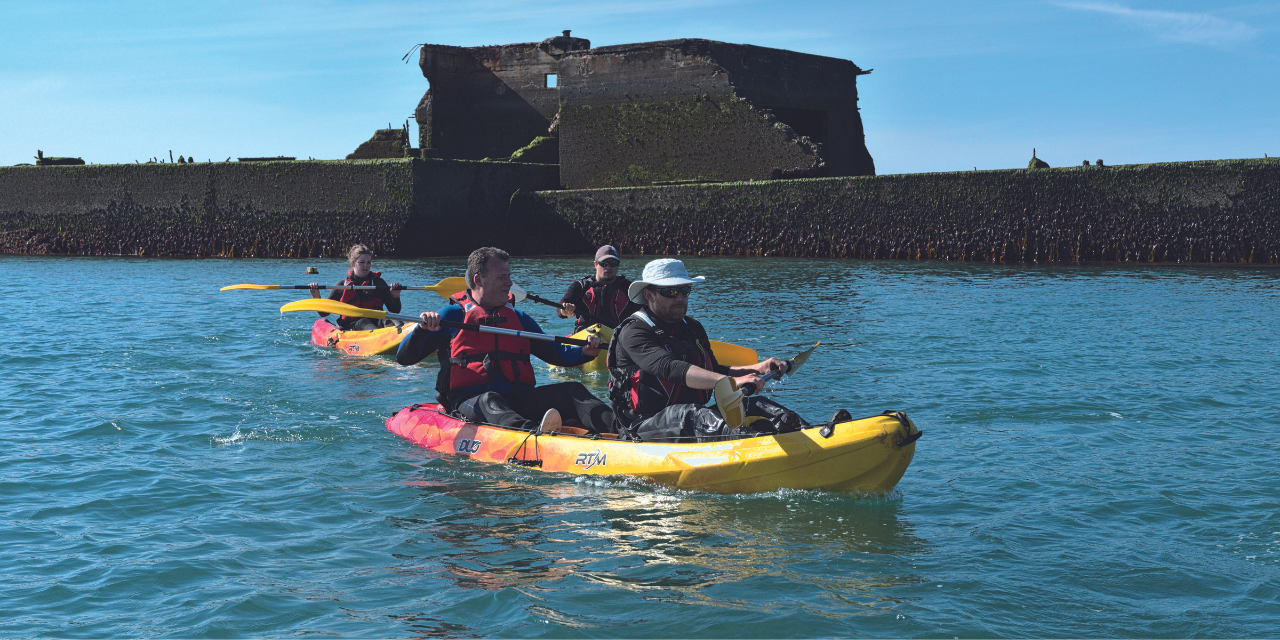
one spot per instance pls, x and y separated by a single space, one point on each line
717 138
399 207
1195 212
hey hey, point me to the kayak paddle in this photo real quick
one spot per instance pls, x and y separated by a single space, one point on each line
445 288
521 294
324 305
732 355
729 396
726 353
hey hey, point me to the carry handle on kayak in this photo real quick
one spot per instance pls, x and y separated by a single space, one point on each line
324 305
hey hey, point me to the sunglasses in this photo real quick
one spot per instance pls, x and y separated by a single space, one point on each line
671 292
609 263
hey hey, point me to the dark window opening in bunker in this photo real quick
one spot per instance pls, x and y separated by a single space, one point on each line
806 122
551 80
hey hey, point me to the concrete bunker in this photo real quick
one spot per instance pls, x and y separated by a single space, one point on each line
665 112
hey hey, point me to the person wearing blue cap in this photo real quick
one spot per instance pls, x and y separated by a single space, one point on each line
662 368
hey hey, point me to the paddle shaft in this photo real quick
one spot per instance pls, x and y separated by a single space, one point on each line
791 368
445 288
589 316
750 388
356 286
467 326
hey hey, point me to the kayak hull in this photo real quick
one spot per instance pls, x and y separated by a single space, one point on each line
726 354
868 455
360 343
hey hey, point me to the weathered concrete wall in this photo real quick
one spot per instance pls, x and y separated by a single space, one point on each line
653 112
1192 212
698 110
487 102
718 138
385 143
460 206
263 209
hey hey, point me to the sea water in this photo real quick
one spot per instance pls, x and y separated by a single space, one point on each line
1100 458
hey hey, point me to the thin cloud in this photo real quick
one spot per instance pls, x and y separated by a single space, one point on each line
1175 26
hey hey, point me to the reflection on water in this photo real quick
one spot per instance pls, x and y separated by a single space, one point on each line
492 534
533 532
1098 461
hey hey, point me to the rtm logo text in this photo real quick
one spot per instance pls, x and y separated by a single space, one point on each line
590 459
469 446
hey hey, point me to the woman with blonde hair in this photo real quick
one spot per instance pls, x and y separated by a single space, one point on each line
361 274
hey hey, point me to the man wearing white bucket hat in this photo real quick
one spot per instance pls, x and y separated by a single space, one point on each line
662 369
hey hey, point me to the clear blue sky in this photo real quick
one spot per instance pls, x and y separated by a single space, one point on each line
956 85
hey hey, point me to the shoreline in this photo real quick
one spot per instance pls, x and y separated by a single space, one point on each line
1209 212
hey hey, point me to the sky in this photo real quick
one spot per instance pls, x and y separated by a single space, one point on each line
956 86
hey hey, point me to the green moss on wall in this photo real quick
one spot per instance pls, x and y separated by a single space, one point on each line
259 209
1197 212
719 138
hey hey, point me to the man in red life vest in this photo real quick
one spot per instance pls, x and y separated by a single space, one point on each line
662 369
603 296
488 378
361 273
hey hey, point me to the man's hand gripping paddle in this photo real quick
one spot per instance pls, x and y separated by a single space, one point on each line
521 295
726 353
729 396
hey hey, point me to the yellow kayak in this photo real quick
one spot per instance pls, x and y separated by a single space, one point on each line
730 355
360 343
868 454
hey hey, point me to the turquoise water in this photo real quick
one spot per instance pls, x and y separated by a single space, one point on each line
1099 459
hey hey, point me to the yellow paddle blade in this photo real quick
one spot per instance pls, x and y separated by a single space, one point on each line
732 355
259 287
801 359
325 305
449 286
729 401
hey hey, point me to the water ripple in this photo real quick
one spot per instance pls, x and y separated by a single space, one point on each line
1098 461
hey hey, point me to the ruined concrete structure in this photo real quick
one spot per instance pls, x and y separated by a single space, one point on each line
487 102
385 143
650 113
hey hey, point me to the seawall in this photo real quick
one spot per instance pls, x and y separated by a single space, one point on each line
259 209
1187 212
1190 212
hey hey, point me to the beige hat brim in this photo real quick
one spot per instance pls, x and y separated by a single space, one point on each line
634 291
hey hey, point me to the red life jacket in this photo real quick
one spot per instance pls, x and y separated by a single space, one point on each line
636 394
476 358
363 298
607 301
